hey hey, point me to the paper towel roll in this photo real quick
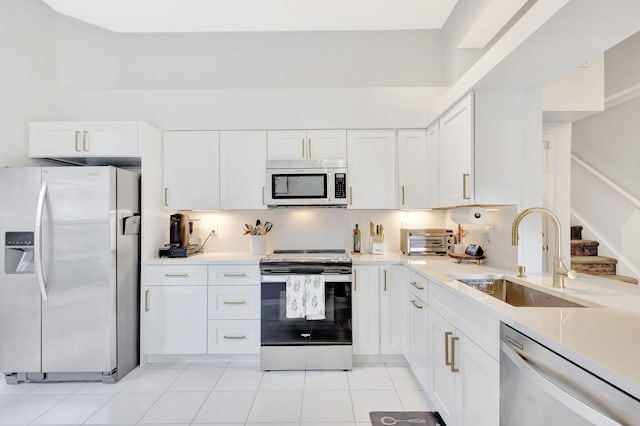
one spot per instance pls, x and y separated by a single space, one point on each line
469 215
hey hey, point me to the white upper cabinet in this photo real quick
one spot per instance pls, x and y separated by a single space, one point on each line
480 144
372 169
306 145
456 153
76 139
191 170
243 158
413 169
433 164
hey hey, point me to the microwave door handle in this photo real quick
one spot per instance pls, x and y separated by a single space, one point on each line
566 399
37 242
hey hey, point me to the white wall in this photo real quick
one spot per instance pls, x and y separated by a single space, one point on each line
622 64
27 74
93 58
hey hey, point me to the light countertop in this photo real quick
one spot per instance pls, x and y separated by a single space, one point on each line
603 338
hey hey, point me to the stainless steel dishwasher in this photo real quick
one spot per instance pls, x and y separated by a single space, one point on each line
540 387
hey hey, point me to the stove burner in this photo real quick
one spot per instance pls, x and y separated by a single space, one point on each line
306 261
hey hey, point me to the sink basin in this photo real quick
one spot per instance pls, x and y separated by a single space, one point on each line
513 293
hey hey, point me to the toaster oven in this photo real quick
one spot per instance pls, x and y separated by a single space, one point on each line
426 242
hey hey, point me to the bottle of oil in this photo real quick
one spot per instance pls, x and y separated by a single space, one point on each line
356 240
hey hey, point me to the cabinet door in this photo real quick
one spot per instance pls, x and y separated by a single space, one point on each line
55 139
456 154
243 158
372 169
413 169
326 144
433 165
191 170
442 389
365 311
419 355
478 384
110 139
393 310
175 320
286 145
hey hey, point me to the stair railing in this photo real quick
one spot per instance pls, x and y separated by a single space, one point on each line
633 200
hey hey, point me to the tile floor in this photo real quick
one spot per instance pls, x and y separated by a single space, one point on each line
217 394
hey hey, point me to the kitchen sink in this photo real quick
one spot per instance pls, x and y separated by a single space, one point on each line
513 293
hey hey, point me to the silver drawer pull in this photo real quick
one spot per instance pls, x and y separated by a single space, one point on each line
234 337
234 303
413 283
413 302
176 275
235 275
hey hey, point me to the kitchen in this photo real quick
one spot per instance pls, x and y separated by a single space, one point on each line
93 94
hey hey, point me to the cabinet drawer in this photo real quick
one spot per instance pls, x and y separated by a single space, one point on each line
234 302
234 274
234 337
418 286
175 275
478 325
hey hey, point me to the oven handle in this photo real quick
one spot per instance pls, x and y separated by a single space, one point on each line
329 278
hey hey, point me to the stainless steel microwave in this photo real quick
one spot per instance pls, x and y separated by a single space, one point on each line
320 183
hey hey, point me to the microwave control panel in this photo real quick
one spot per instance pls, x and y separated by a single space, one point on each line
341 185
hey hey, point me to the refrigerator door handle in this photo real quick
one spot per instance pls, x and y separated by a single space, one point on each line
37 242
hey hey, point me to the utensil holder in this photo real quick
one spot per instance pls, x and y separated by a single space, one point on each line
257 244
376 245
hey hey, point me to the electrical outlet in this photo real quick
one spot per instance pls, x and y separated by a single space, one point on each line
214 230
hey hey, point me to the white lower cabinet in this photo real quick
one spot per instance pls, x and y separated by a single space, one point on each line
393 310
465 382
234 309
418 354
365 322
234 336
175 319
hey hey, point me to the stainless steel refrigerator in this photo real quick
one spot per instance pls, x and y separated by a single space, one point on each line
69 287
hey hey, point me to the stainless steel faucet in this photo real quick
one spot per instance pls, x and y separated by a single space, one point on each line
560 268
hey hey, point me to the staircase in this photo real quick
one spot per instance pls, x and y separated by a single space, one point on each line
585 259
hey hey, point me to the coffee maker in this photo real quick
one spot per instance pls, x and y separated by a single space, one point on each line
180 229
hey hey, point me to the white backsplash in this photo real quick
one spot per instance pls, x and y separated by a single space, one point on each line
329 228
304 228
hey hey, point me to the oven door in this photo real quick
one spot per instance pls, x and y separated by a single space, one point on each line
278 330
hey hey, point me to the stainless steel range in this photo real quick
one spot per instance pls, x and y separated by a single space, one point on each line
306 310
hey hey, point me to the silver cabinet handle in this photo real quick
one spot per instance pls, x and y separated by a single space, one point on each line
355 280
234 337
309 148
146 301
465 183
413 302
447 361
166 197
85 140
385 280
350 196
78 141
263 195
176 275
234 303
302 147
403 203
234 274
415 284
453 355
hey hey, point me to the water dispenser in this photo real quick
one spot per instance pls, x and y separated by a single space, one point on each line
18 253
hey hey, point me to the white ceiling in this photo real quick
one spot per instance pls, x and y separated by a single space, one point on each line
257 15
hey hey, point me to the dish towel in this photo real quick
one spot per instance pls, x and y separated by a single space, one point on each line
305 297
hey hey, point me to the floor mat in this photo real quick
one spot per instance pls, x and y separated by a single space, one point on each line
406 418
